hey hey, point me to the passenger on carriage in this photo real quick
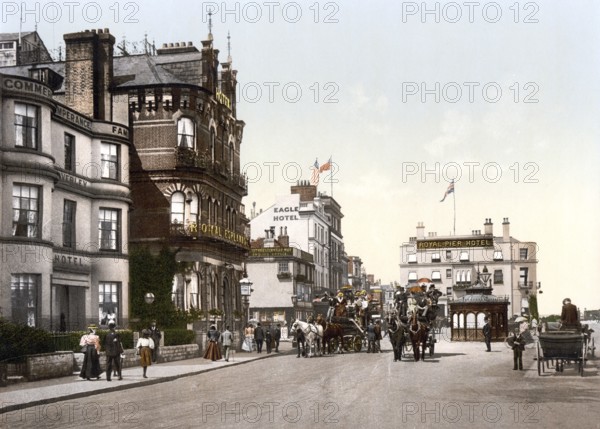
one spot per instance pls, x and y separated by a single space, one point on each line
400 298
331 309
433 294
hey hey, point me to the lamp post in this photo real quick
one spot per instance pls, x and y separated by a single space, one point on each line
485 276
149 298
245 291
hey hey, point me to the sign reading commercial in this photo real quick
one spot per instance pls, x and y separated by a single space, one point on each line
449 244
27 86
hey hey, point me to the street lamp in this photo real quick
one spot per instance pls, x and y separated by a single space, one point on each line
245 291
485 275
149 298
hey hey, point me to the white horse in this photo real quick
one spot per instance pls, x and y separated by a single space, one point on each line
313 334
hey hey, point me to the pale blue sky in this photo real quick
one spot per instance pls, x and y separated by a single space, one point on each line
364 61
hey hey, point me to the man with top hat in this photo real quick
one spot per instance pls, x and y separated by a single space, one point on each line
113 349
156 336
330 310
569 316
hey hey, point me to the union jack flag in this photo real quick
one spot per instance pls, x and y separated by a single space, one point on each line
448 191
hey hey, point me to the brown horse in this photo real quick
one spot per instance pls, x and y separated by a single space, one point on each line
331 331
419 333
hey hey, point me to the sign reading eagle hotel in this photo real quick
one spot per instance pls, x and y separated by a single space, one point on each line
454 243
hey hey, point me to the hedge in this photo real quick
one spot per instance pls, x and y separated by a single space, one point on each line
18 341
177 337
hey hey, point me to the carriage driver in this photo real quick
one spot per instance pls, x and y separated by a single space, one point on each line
331 301
400 298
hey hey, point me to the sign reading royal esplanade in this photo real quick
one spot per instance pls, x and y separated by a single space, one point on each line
455 243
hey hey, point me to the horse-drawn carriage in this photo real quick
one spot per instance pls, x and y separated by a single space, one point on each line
557 347
412 328
343 332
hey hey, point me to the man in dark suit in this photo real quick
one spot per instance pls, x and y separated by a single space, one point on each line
487 334
569 316
113 349
156 336
277 337
259 337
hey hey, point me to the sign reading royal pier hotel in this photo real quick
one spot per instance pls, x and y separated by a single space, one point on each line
454 243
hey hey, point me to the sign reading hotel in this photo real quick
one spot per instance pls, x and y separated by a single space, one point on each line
449 244
285 213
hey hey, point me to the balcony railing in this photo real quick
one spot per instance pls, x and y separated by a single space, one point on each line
525 285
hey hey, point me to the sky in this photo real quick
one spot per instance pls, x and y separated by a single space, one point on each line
503 97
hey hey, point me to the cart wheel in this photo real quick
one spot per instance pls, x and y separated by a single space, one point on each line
347 341
357 343
539 361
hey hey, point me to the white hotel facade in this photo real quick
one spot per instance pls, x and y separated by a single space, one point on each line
453 264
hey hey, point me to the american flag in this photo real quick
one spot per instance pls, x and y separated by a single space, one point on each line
448 191
314 179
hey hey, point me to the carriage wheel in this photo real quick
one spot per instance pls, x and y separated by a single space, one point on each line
357 343
347 341
335 343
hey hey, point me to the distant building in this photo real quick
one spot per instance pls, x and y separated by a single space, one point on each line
17 49
283 280
455 263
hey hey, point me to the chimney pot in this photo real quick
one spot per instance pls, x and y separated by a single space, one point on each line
190 43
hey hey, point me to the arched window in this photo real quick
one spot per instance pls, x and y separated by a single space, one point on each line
177 207
186 133
231 157
194 207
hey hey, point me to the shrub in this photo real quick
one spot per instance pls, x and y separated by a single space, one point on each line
18 341
177 337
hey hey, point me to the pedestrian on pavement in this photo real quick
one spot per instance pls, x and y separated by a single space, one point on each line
90 347
212 348
487 334
144 347
378 336
248 338
301 342
156 335
113 348
227 341
371 337
269 340
259 337
517 343
277 337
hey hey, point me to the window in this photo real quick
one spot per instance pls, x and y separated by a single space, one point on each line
448 273
464 256
177 207
436 275
194 209
108 301
69 152
25 211
523 273
412 276
6 45
108 229
23 295
283 267
109 154
449 291
523 254
212 144
26 125
186 133
498 277
498 255
68 229
231 157
435 257
412 258
177 294
448 255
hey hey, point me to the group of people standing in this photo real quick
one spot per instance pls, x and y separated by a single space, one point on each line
146 347
260 336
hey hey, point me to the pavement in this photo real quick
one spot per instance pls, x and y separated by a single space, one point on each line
29 394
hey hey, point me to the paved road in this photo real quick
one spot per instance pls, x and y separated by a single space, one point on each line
462 386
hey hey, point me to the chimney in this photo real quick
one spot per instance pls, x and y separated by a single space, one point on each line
284 239
307 191
505 230
89 72
420 231
488 227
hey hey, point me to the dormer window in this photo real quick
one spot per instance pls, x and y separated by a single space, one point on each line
186 133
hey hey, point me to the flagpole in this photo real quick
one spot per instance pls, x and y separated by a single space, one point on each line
331 169
454 199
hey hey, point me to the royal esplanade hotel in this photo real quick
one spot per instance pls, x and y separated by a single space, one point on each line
99 152
456 265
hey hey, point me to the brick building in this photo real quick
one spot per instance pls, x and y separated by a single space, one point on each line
100 153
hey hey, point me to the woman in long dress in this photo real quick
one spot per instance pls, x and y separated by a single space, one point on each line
145 345
248 337
213 352
90 344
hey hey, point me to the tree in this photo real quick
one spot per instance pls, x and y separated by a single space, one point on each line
533 307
